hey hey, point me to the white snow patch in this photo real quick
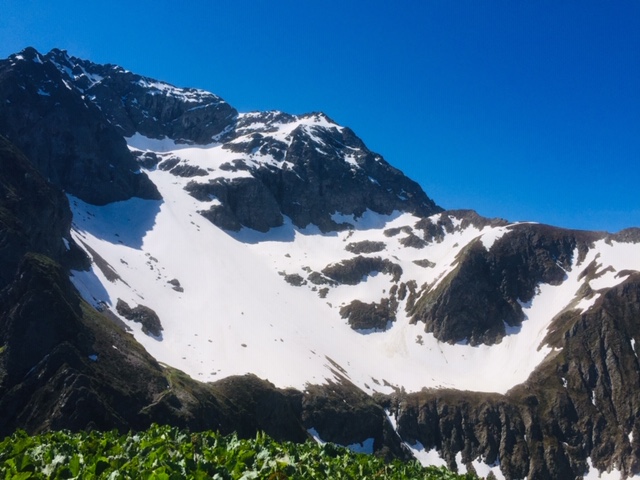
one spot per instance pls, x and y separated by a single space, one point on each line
43 93
426 457
586 303
615 474
93 358
143 143
369 220
366 446
351 159
316 436
483 469
494 234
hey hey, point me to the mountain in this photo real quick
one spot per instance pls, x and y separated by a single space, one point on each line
169 259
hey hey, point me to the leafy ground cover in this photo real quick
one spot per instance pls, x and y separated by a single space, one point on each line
167 453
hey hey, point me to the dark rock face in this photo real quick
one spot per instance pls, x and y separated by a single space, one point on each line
133 103
435 232
169 163
477 299
628 235
245 202
64 135
148 160
343 414
34 215
319 185
581 403
323 170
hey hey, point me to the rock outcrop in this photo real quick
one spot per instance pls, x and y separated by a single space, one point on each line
487 288
136 104
64 135
581 403
34 215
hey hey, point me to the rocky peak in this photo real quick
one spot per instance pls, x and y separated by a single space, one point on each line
136 104
305 167
66 137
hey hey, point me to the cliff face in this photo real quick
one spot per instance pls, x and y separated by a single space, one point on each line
484 295
581 403
136 104
65 136
34 215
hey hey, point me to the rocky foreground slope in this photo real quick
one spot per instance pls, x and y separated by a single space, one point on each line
168 259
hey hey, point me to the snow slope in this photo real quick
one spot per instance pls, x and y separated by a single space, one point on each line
237 314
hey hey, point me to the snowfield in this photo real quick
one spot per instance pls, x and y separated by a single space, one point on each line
237 314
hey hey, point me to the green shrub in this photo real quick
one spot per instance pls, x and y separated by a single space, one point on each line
166 453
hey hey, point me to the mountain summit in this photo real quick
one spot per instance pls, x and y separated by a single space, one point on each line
169 259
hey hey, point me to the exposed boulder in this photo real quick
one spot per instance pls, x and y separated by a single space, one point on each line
353 270
365 246
149 319
294 279
188 171
424 263
175 285
413 241
370 316
168 163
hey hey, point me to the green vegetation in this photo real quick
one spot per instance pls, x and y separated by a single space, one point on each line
170 453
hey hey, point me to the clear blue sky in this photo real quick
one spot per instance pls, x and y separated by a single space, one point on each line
526 110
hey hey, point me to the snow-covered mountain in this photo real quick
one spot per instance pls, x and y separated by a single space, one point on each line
278 245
